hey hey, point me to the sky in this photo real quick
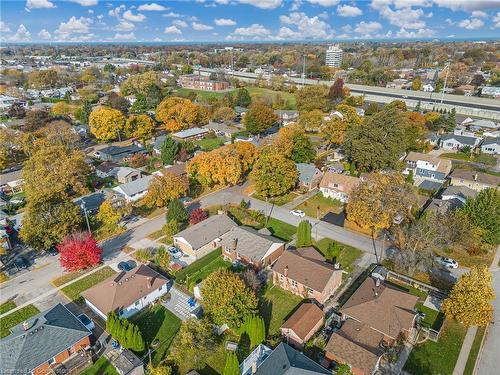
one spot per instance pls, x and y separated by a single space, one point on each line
245 20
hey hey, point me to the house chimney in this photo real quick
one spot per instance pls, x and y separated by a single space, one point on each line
377 282
254 367
26 325
234 243
148 282
475 176
286 271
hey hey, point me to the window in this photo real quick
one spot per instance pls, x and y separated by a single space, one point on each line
51 361
281 277
227 249
335 185
310 291
294 283
160 288
135 304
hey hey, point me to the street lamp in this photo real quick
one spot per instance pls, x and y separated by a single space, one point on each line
86 216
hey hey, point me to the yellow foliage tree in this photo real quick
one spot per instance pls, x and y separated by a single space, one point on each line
469 300
179 113
63 109
139 126
163 189
108 215
334 130
106 123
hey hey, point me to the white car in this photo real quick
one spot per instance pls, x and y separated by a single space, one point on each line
448 262
298 213
175 252
87 322
405 96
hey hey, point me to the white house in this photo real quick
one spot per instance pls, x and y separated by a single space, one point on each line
491 146
428 88
456 142
126 293
338 186
134 190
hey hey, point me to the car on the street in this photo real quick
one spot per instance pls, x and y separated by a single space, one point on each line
126 266
298 213
186 201
405 96
52 251
447 262
87 322
21 263
175 252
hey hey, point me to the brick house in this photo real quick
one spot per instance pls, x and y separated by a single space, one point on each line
306 273
309 176
43 342
302 325
257 249
197 82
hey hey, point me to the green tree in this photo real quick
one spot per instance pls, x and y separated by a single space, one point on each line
344 369
176 211
232 367
169 229
484 212
304 234
163 256
169 150
273 174
242 98
259 118
313 97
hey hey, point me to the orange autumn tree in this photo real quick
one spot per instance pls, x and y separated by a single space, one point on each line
179 113
223 166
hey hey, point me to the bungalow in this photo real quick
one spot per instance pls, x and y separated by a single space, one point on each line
118 154
158 143
177 169
427 167
127 174
309 176
126 293
303 324
251 247
91 202
204 237
428 88
306 273
338 186
44 342
106 169
134 190
491 146
492 91
240 111
222 129
457 142
461 193
474 180
192 133
485 124
12 182
287 117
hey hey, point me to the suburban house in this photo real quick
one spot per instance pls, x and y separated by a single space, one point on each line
192 133
474 180
222 129
44 342
484 124
240 111
127 174
492 91
134 190
491 146
338 186
427 167
428 88
204 237
91 202
283 360
303 324
106 169
287 117
118 154
177 169
309 176
460 193
442 206
457 142
12 182
126 293
158 143
306 273
251 247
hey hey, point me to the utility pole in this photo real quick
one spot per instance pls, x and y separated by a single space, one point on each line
445 80
304 70
86 216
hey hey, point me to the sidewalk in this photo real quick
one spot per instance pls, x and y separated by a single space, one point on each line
464 352
300 199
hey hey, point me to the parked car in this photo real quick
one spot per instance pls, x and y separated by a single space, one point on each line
87 322
447 262
21 263
127 266
175 252
186 201
298 213
52 251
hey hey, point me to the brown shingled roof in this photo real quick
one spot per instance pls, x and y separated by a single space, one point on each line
384 308
303 321
443 165
470 175
306 266
344 182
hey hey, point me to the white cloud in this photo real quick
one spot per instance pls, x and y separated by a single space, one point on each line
479 14
116 11
496 19
22 34
471 24
85 3
153 7
421 33
157 39
402 16
125 26
306 27
171 15
348 11
37 4
180 23
367 28
324 3
201 27
73 26
262 4
224 22
467 5
255 31
129 16
90 11
347 28
450 22
128 36
44 34
4 28
296 5
100 16
172 30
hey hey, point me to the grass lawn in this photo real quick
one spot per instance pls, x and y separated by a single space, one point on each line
481 158
155 235
474 351
275 306
197 265
7 306
209 144
263 93
437 357
73 290
338 252
101 367
201 93
13 319
280 229
278 201
157 323
310 206
200 275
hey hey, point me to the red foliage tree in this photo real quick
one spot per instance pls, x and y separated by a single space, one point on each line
197 215
337 89
79 251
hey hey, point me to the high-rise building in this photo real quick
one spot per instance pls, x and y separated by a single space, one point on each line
334 56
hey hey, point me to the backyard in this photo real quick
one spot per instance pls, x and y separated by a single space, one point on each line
13 319
101 367
157 323
268 95
480 158
72 291
209 144
337 252
201 93
319 205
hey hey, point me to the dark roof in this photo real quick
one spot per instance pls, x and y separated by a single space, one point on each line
430 185
459 191
470 141
490 141
250 242
106 167
121 150
306 172
443 206
469 175
92 201
49 333
285 360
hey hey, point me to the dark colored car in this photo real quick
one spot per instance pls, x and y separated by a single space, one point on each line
126 266
52 251
21 263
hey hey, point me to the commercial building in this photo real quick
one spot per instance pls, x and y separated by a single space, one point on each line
334 56
198 82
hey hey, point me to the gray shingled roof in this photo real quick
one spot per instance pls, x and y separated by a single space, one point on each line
137 186
462 191
470 141
50 333
306 172
192 132
204 232
249 242
490 141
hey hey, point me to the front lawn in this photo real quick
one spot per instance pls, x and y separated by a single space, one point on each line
280 229
101 367
198 276
13 319
474 351
275 306
319 205
209 144
7 306
278 201
157 323
437 357
72 291
337 252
